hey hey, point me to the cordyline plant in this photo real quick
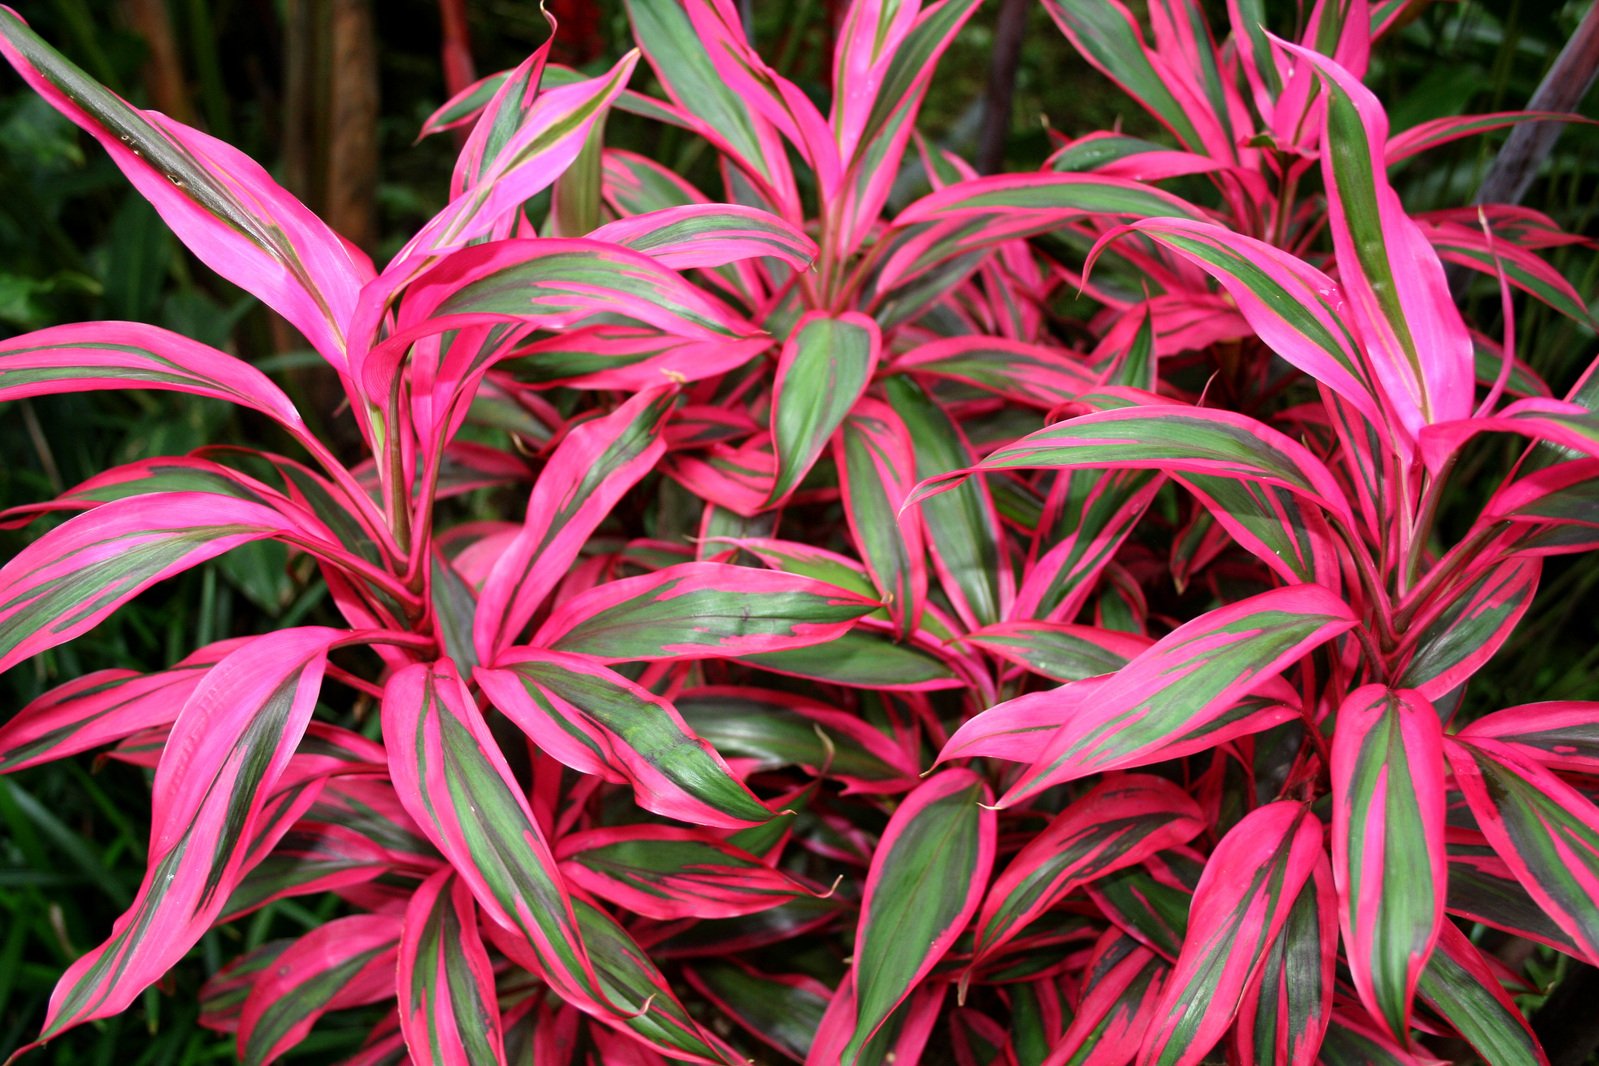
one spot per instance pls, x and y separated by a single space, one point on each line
895 662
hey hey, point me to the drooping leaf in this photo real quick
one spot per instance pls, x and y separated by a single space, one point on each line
67 581
1545 831
228 747
219 202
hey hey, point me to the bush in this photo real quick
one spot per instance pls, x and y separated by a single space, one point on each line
1015 627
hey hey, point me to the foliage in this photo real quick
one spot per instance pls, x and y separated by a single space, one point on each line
1015 626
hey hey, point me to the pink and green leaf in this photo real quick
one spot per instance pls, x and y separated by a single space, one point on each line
1285 1015
1388 844
1545 830
449 1011
925 883
700 610
1173 438
348 962
597 721
667 873
219 202
877 467
1118 823
1560 734
1183 694
1415 339
586 475
67 581
229 745
1121 989
1243 901
453 780
824 368
1461 986
708 235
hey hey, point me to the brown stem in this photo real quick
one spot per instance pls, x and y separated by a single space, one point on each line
1008 33
1562 89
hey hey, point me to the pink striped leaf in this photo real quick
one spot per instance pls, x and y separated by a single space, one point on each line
348 962
866 657
691 78
824 368
1118 823
1482 888
308 858
1298 311
1121 989
230 744
773 729
1544 829
1092 513
778 100
586 475
1059 651
1274 524
709 235
783 1011
963 531
1244 898
553 283
1024 373
1151 909
609 357
666 873
874 116
1425 136
1468 246
1183 694
926 881
1450 641
218 201
449 1012
597 721
1116 155
979 213
1171 438
1560 734
877 467
644 1003
502 169
1461 986
224 992
67 581
1554 422
101 708
1284 1016
87 356
1388 844
453 780
507 106
1412 332
868 40
1106 35
701 610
